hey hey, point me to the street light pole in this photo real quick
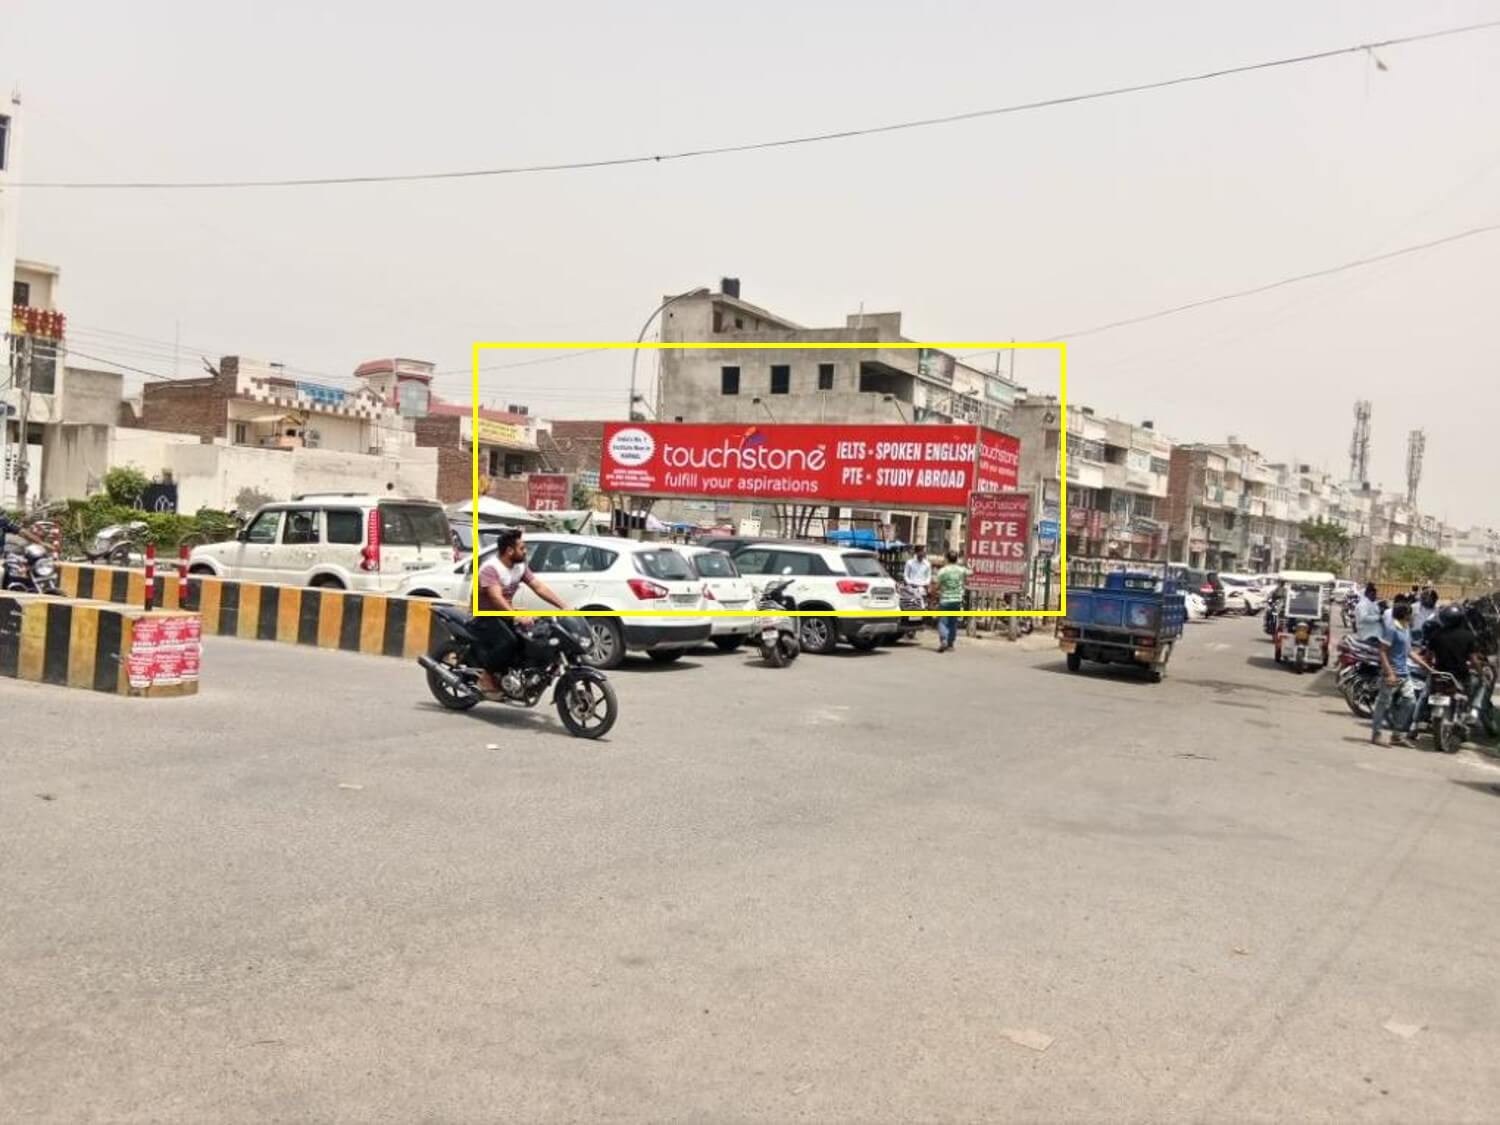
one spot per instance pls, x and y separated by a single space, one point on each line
635 353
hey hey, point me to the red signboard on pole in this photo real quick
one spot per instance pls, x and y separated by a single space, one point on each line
896 466
999 533
548 492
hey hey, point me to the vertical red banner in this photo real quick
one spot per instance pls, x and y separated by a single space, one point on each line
999 537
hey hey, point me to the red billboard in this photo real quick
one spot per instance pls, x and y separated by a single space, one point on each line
999 530
898 466
548 492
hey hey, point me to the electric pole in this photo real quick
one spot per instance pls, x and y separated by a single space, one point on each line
23 383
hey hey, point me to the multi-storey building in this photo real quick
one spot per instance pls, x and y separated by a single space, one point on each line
1116 479
871 384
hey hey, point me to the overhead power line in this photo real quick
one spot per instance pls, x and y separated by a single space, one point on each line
1203 302
1357 263
784 142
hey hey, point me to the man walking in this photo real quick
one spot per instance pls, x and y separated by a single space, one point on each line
1396 689
951 582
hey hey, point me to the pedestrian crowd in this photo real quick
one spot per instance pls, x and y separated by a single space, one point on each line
1418 638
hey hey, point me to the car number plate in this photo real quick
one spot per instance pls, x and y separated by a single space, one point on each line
1438 700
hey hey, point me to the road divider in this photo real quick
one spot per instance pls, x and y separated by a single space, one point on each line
374 624
99 646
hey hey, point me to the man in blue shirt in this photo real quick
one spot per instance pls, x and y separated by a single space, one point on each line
1396 658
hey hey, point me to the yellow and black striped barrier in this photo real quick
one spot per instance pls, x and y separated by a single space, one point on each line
373 624
98 646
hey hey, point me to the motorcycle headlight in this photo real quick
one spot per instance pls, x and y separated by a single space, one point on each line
44 569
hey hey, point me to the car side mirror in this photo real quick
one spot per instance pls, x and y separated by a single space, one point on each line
243 534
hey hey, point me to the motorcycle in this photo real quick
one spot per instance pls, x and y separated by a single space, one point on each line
30 571
554 649
1448 712
1359 678
777 636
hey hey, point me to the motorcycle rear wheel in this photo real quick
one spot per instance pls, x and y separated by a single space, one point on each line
588 708
1447 736
450 654
772 654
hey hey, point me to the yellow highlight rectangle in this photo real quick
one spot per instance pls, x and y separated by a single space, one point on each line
1058 346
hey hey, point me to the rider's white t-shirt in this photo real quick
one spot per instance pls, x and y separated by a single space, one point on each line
918 572
508 578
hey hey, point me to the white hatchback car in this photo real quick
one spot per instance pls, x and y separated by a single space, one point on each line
1243 592
337 540
603 573
723 588
828 578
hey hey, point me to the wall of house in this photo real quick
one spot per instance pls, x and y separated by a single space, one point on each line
186 406
91 397
212 476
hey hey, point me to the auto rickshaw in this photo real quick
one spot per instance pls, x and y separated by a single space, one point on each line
1303 618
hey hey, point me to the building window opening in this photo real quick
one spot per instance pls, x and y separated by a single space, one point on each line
825 376
729 380
781 379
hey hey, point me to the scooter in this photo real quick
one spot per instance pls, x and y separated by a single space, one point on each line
116 544
777 636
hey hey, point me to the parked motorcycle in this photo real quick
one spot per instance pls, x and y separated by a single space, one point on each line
1359 684
777 636
30 571
554 649
118 544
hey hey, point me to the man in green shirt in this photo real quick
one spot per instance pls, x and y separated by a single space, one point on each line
950 583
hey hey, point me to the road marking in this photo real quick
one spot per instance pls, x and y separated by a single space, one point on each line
1026 1037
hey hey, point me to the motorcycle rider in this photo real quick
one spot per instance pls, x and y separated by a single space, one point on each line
499 580
1368 614
918 572
1454 649
9 527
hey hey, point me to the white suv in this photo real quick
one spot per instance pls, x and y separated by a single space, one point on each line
599 572
831 578
723 588
339 540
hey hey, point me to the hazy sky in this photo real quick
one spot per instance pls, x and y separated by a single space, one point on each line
1024 226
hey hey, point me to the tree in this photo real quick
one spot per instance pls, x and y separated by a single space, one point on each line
1323 546
125 485
1415 564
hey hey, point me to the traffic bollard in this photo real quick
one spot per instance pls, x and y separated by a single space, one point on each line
182 579
150 575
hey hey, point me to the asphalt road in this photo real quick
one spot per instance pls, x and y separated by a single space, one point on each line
875 887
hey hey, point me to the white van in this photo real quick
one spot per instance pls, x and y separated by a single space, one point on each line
337 540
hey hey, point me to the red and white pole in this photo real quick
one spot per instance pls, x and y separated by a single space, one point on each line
182 581
150 575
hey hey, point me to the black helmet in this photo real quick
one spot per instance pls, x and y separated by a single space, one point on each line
1451 616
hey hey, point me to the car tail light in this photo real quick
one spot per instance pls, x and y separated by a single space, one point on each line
853 586
1145 642
647 591
1206 588
709 594
369 554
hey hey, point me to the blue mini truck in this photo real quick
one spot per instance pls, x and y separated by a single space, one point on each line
1135 617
